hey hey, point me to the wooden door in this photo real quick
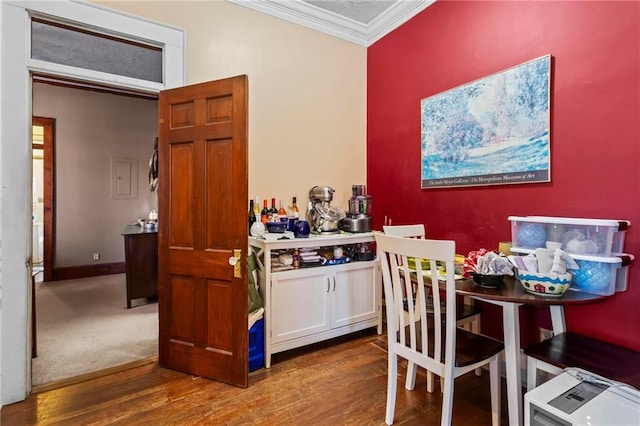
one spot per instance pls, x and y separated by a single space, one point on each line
202 198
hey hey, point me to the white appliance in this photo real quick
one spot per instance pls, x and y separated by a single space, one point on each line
580 398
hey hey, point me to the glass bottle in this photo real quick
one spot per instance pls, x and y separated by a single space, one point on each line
296 258
294 209
256 207
252 215
281 211
264 214
273 211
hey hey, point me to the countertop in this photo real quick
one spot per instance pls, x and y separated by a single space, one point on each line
137 229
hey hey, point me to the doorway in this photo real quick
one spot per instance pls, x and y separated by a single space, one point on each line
15 162
90 131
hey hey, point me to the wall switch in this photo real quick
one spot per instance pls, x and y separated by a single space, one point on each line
96 256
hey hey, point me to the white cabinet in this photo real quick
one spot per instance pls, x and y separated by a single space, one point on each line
308 305
353 298
299 304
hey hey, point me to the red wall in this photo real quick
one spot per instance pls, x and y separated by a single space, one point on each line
595 137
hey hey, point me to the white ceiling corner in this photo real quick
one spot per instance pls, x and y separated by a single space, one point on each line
358 21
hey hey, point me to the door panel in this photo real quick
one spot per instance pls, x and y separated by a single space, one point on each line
202 201
219 156
181 195
354 298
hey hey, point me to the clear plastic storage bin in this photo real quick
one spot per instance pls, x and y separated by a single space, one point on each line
590 237
597 275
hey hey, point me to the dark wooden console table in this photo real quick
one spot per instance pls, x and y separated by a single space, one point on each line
141 258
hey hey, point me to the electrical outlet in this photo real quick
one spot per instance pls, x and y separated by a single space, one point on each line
545 334
96 256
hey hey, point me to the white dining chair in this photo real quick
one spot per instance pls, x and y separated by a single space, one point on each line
468 318
426 340
407 231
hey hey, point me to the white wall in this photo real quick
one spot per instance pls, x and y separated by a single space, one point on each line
91 128
307 93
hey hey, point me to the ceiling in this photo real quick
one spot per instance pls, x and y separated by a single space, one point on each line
359 21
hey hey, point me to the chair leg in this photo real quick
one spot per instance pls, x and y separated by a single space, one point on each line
392 384
429 382
532 373
412 369
447 398
494 380
475 328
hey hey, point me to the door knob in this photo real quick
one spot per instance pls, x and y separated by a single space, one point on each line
235 262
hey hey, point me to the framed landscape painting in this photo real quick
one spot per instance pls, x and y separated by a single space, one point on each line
491 131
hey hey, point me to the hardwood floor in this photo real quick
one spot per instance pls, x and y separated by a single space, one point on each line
342 382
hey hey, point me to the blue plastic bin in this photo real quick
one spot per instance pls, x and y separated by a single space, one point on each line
256 345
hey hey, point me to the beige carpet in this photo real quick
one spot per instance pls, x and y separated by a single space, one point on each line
84 326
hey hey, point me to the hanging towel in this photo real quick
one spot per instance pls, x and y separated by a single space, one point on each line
153 168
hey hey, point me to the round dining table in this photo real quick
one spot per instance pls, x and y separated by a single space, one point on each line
510 295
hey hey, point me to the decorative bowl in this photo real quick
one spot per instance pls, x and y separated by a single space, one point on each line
545 284
488 281
276 227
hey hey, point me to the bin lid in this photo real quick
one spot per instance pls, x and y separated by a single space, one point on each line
623 259
622 225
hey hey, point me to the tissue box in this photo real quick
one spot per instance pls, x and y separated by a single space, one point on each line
256 345
592 237
597 275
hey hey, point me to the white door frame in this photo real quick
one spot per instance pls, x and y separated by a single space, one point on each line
15 150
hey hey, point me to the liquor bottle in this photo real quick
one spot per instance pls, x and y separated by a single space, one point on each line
273 211
256 208
281 211
294 209
264 214
252 215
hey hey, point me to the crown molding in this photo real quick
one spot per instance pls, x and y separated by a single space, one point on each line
310 16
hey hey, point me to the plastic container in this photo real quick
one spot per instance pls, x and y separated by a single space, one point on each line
597 275
591 237
256 345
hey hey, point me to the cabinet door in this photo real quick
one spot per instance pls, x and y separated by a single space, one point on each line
299 304
141 256
354 297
